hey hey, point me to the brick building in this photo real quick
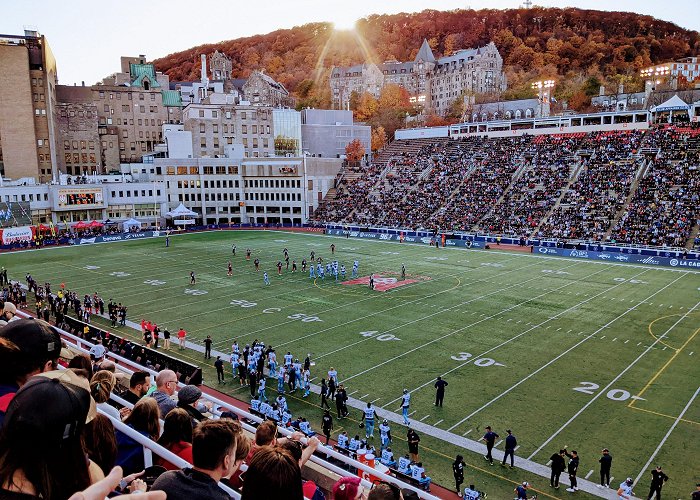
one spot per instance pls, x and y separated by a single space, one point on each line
27 107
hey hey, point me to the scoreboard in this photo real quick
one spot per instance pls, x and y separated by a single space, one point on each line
80 198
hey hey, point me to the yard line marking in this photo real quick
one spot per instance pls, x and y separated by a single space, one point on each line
627 341
412 412
548 463
467 432
601 338
455 332
363 397
691 353
607 387
385 310
372 402
424 418
589 474
481 297
353 392
521 381
499 442
516 448
663 441
438 422
613 340
558 328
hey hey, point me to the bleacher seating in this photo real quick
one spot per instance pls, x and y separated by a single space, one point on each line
627 186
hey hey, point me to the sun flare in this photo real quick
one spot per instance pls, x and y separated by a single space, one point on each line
343 22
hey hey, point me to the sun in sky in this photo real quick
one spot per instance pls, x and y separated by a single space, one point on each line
343 21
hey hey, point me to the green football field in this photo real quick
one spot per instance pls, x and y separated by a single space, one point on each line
564 352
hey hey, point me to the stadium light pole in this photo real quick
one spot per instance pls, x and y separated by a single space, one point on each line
543 88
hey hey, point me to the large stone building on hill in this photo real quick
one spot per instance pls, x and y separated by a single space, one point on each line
435 83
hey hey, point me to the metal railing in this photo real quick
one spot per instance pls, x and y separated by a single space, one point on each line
84 346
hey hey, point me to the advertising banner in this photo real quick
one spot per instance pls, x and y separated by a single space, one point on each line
649 260
12 235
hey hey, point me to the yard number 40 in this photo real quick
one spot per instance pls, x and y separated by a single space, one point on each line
613 394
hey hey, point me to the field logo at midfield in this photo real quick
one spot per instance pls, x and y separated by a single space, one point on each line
386 281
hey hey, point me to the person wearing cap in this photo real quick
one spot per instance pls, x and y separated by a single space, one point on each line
521 490
187 399
40 444
327 424
624 492
605 465
27 347
511 444
696 494
97 352
440 391
658 478
9 314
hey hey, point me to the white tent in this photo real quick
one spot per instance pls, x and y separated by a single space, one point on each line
181 211
675 103
128 224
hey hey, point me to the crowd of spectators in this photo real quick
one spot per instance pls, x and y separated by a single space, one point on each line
665 205
83 441
564 186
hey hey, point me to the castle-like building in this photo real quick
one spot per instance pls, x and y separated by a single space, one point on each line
434 83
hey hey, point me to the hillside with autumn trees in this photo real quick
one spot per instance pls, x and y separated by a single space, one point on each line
581 49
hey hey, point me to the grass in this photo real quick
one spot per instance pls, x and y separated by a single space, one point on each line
514 335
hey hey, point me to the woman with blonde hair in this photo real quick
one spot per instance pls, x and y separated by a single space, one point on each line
101 386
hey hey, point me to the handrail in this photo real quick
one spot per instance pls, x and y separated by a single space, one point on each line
244 414
151 446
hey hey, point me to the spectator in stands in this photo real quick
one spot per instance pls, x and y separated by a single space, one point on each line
41 455
310 489
273 474
97 352
103 488
349 488
101 386
265 435
144 419
9 314
177 436
188 400
166 384
139 384
100 442
27 347
82 365
217 446
385 491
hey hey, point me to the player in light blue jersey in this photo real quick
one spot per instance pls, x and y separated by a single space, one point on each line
355 267
280 380
405 404
342 271
319 271
312 272
234 363
369 421
272 363
261 390
266 278
385 434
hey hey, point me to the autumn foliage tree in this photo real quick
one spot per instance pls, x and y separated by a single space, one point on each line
379 139
572 44
354 151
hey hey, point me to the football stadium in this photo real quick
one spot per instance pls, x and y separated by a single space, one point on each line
505 304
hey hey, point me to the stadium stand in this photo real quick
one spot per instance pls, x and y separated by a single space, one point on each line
623 186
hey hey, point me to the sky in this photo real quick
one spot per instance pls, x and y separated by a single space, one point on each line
88 37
